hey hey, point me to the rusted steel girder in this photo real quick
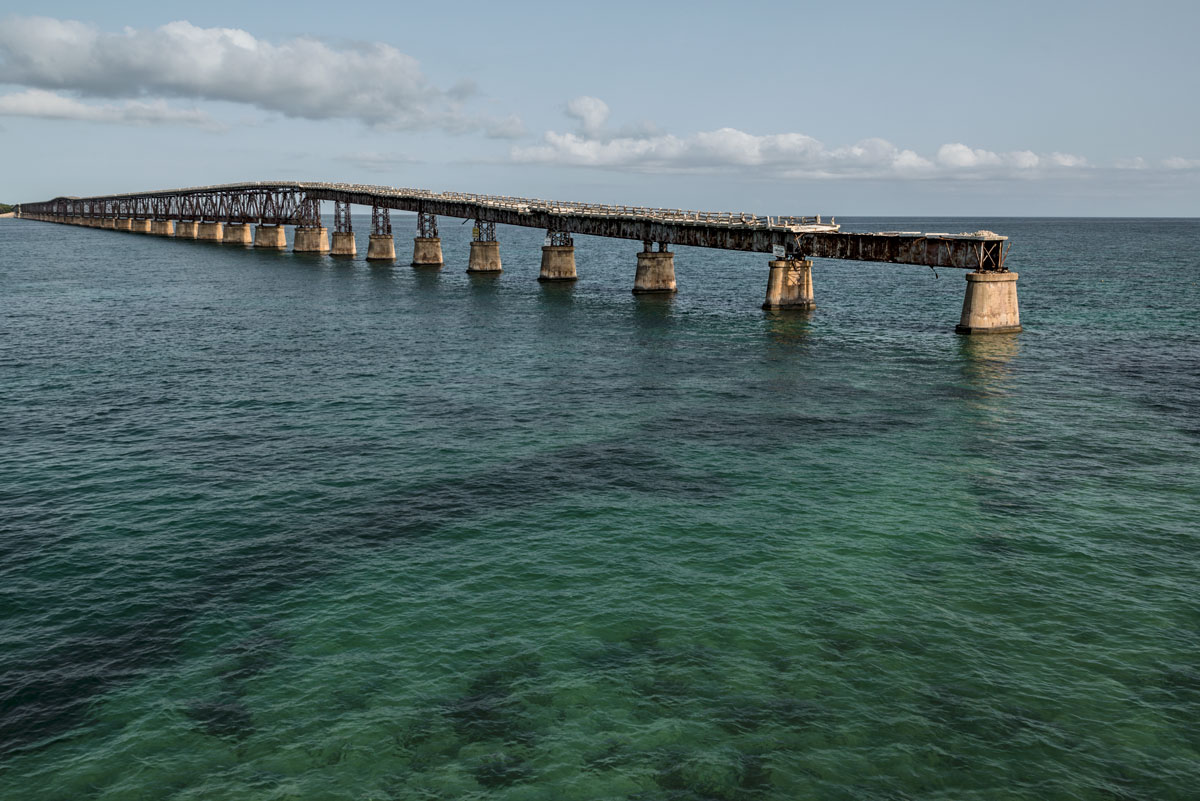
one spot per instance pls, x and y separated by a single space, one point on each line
341 218
381 221
984 253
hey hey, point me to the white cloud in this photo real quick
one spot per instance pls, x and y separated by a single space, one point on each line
54 106
790 155
1067 160
302 77
1177 163
592 113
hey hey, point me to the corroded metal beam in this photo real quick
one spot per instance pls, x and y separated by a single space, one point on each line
982 251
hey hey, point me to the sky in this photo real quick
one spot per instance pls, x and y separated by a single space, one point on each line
852 109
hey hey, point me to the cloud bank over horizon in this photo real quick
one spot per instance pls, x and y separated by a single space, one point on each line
787 155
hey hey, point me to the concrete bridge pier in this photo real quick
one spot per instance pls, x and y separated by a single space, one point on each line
427 246
313 239
237 234
485 257
210 232
655 270
789 285
273 237
163 228
990 304
122 224
427 251
485 250
381 247
558 257
343 244
558 263
140 226
187 229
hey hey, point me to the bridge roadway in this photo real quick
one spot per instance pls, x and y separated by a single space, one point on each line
792 240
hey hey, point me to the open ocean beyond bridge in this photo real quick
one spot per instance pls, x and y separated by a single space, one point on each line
284 526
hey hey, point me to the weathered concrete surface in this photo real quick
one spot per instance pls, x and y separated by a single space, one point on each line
485 258
343 244
789 285
210 231
237 234
427 251
990 305
381 247
124 224
163 228
655 272
186 229
558 263
311 240
140 226
273 237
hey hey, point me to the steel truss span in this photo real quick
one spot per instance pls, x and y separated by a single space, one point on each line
787 237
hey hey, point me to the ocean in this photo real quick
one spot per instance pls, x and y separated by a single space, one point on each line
287 526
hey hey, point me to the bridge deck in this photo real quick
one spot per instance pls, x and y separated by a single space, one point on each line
783 235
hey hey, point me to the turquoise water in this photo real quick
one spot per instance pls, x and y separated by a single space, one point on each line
289 527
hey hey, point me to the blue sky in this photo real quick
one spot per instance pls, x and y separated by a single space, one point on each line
1050 108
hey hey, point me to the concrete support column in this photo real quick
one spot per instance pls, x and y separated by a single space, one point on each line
186 229
123 223
236 234
210 231
485 257
558 263
789 285
427 251
110 223
990 305
140 227
655 272
381 247
343 244
311 240
273 237
163 228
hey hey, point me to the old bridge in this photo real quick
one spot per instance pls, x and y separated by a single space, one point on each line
225 213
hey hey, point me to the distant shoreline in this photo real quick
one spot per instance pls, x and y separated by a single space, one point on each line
8 214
